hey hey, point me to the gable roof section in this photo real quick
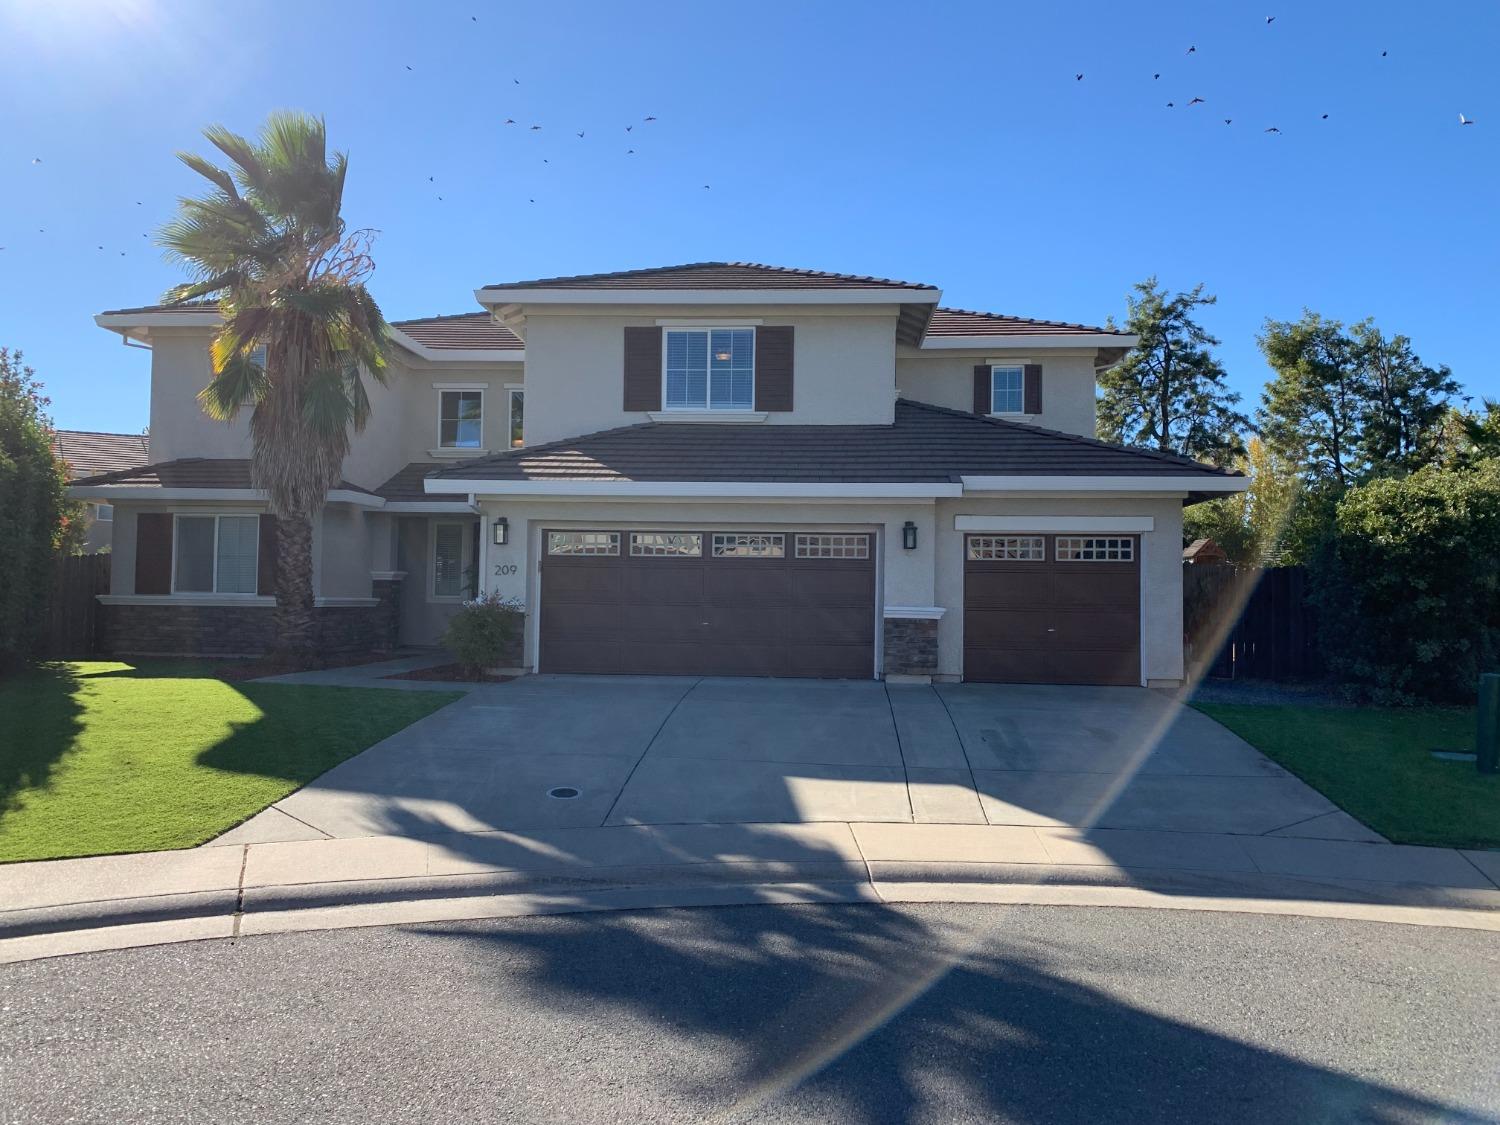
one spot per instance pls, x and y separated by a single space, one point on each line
88 452
948 323
191 472
926 444
460 332
405 485
713 275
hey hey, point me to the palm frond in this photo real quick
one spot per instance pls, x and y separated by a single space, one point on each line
238 382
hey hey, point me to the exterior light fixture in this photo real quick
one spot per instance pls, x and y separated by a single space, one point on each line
502 531
722 357
909 536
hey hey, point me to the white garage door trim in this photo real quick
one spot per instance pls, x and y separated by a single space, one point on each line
1054 523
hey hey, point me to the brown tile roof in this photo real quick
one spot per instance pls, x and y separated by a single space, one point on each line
926 444
88 452
188 307
468 331
191 472
713 275
966 322
406 485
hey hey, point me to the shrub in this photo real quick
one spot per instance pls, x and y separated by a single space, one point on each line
483 631
1408 586
32 509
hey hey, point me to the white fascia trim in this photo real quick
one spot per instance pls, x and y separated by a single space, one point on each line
879 296
1054 523
121 321
246 600
915 612
460 386
458 355
387 575
689 489
430 507
988 343
110 493
1105 484
721 416
711 322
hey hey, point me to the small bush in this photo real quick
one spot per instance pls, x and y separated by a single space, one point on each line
482 632
1409 586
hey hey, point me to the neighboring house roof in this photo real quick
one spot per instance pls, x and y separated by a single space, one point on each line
191 472
405 487
925 444
87 452
460 332
713 275
966 322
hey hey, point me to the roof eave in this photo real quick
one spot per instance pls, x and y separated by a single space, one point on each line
873 295
1031 342
1164 483
686 489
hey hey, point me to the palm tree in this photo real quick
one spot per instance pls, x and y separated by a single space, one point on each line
269 245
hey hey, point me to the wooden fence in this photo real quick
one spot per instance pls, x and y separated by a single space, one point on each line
1250 623
73 623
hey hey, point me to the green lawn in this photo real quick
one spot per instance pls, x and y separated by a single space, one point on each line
1374 763
101 757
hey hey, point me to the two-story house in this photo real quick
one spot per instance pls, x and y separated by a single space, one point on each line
709 469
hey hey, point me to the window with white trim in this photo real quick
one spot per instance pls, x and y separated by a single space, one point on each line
215 554
1080 549
1007 548
104 513
452 552
748 545
583 542
460 419
709 369
517 418
1007 390
833 546
670 544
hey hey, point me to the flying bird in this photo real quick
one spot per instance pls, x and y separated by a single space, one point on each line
429 179
1154 77
517 81
1382 54
510 121
408 68
628 128
531 201
705 187
137 202
1077 78
1171 104
630 152
1270 19
1192 50
1273 129
580 135
474 18
536 128
649 118
1325 117
1228 120
1196 101
36 159
1462 120
546 161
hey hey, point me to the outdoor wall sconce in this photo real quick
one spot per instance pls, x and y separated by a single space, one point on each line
502 531
909 535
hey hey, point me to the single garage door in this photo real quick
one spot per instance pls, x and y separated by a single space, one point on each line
708 603
1052 609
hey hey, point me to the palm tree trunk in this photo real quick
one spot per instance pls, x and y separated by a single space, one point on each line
296 628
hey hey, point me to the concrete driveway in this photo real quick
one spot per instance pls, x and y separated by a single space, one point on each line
685 751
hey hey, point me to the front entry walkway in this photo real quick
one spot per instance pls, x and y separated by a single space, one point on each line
571 752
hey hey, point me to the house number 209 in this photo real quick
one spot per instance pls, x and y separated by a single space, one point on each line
502 569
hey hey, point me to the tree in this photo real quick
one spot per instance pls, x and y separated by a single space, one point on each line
33 510
1168 392
269 244
1408 400
1314 409
1252 525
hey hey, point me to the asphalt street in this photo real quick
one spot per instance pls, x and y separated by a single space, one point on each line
802 1013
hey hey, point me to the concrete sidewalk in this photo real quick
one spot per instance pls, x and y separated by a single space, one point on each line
61 906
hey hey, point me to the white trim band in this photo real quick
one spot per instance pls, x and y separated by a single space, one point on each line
985 343
915 612
709 416
1184 483
1054 523
876 295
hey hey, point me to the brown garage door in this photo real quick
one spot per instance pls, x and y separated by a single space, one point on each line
710 603
1052 609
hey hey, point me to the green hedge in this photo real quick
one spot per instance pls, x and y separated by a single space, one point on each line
1408 586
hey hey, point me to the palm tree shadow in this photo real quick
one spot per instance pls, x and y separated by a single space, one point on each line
830 1007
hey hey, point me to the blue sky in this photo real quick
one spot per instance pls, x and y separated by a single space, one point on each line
947 143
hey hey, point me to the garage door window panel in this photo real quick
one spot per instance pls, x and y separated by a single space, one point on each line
739 545
1007 548
666 544
581 543
833 546
1082 549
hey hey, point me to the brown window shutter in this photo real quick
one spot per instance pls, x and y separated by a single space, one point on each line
643 369
983 396
1031 394
265 562
153 553
774 346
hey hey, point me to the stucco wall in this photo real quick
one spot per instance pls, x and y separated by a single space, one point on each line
1161 634
181 367
344 552
946 379
423 619
844 365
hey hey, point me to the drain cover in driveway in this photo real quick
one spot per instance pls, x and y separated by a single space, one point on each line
563 792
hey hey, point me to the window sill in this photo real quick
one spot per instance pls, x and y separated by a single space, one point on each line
452 451
730 416
1013 415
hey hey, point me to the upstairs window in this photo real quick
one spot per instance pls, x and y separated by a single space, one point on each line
1007 390
517 418
710 369
461 419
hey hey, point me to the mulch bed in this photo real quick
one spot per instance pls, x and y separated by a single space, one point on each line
450 673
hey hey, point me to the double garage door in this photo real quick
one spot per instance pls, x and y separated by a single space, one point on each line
1052 609
708 603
